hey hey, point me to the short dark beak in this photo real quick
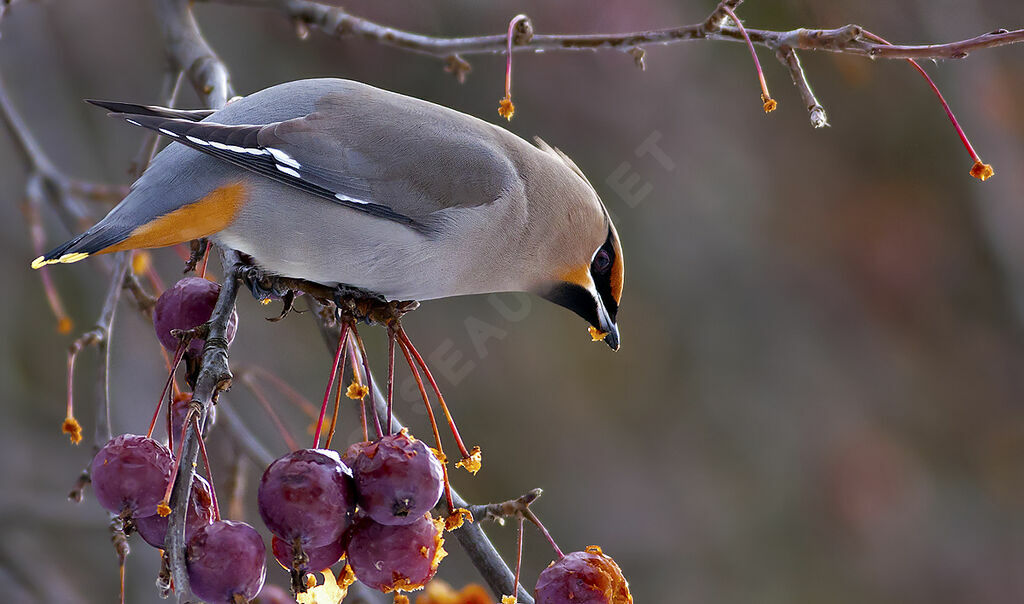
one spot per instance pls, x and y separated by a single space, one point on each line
609 327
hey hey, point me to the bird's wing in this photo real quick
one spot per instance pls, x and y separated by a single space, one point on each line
393 157
239 145
415 157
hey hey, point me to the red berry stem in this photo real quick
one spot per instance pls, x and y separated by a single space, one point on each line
177 460
980 169
529 515
369 381
505 107
430 414
337 407
437 391
766 98
69 418
519 559
358 379
391 373
209 470
342 345
202 272
160 402
120 571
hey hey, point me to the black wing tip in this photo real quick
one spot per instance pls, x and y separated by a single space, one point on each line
114 106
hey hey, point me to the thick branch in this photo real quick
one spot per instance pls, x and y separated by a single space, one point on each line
214 377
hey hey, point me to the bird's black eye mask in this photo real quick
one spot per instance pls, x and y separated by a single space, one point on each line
601 271
577 299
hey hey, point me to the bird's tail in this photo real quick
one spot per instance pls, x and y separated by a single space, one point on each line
98 239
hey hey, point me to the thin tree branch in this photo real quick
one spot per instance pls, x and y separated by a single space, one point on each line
104 327
337 22
190 53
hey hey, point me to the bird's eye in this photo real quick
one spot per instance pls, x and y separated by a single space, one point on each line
602 261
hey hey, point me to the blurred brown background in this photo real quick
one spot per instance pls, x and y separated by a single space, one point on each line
818 397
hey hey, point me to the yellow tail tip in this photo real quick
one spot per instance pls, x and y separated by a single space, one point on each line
73 257
41 261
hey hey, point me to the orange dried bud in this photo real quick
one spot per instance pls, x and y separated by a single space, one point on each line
457 518
506 109
265 301
596 335
769 103
73 429
356 391
163 509
473 463
982 171
64 326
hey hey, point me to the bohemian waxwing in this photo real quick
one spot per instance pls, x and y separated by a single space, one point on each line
337 182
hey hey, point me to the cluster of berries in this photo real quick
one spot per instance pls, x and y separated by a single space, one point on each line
371 506
130 476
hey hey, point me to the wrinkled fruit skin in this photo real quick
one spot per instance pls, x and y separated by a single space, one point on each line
187 304
129 475
588 577
223 559
153 529
398 479
307 494
319 557
396 557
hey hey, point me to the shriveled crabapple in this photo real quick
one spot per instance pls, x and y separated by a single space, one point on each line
225 562
187 304
153 529
398 478
396 557
130 474
588 577
307 494
319 558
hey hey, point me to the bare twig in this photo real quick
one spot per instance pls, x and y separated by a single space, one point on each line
788 57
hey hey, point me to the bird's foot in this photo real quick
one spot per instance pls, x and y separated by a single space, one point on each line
353 303
264 286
